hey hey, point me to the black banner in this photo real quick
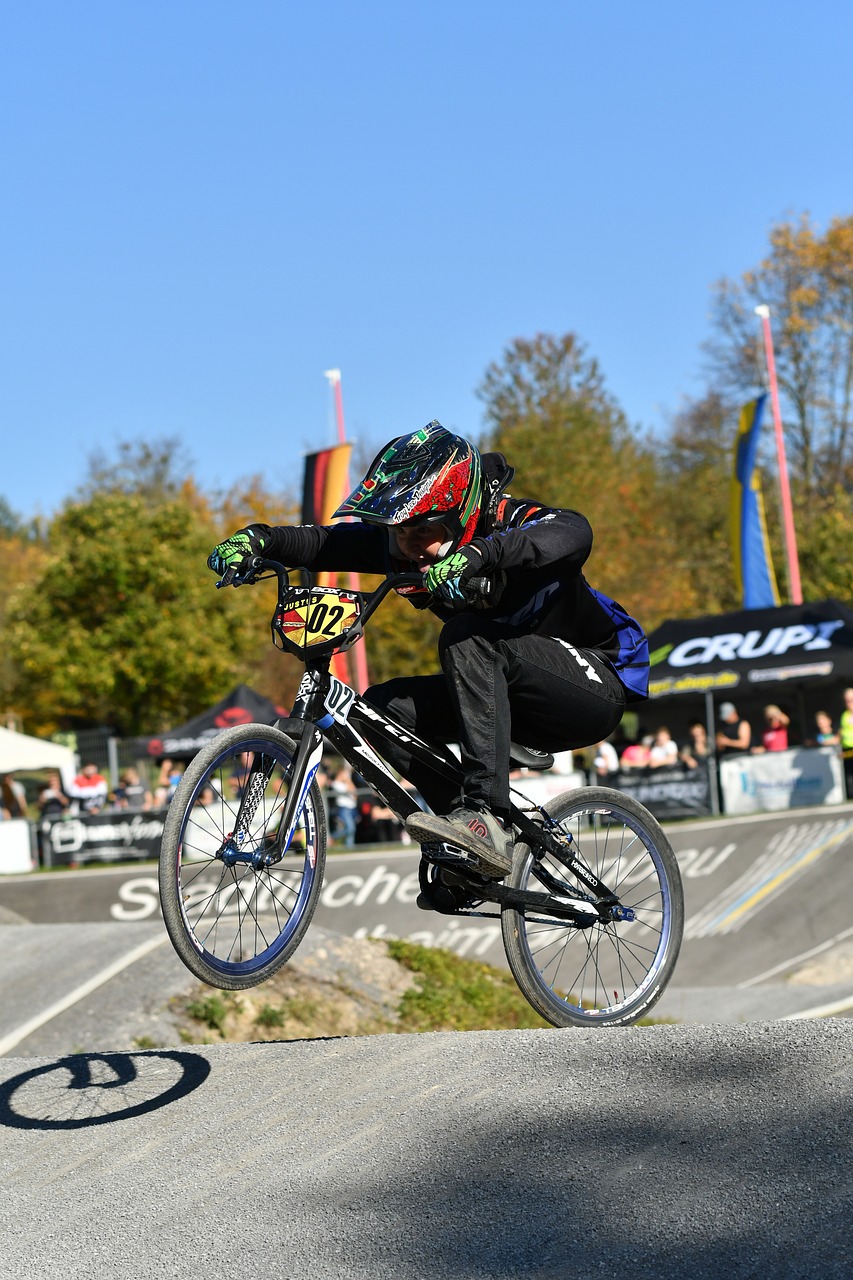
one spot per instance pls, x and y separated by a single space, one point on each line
668 793
101 837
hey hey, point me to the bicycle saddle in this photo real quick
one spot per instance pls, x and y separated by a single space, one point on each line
529 757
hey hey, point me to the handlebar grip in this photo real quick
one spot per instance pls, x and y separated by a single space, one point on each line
482 587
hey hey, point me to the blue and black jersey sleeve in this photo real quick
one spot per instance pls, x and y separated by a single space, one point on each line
532 537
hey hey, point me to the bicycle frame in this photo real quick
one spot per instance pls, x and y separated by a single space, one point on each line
333 711
341 716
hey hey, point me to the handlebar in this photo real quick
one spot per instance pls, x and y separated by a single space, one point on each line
258 566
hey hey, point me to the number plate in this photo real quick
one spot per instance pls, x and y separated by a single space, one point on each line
323 615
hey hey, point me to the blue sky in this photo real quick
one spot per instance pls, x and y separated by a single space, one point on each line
206 205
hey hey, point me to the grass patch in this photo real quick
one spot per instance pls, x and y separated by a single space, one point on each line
456 994
212 1010
269 1016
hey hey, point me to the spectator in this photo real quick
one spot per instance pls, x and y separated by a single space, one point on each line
775 736
384 824
133 794
736 734
242 772
636 754
346 802
90 788
206 797
605 760
52 800
14 798
825 735
167 782
663 753
845 730
697 748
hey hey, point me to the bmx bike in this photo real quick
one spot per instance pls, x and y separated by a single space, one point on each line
591 914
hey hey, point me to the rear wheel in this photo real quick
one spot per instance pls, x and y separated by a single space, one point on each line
234 906
609 972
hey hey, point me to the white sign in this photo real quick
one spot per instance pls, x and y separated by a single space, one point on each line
15 854
781 780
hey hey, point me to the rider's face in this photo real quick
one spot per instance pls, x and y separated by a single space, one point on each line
421 542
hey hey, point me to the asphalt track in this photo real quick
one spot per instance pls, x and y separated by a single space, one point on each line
700 1152
718 1147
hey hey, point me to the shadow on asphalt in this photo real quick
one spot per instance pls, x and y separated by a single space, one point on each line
751 1178
86 1089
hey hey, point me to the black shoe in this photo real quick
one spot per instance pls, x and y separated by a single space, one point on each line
477 832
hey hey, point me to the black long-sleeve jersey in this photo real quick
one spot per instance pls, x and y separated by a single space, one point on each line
540 551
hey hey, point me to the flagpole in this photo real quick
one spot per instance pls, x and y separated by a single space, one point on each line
359 657
796 593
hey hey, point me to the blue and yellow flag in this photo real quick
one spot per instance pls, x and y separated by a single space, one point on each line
753 565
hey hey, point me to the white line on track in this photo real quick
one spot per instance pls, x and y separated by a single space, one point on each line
79 993
821 1010
794 960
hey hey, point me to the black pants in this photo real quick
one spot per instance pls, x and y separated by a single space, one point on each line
498 687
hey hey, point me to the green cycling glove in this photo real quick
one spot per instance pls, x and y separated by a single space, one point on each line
446 578
236 551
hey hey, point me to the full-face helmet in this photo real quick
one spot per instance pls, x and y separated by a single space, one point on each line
429 477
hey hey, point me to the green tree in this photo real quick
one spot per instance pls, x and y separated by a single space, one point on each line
155 469
120 625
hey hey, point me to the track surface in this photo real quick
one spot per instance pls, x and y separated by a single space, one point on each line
693 1150
663 1151
768 933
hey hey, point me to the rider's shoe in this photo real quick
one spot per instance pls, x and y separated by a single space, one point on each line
476 831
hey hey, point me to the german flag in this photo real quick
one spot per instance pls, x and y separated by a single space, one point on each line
324 485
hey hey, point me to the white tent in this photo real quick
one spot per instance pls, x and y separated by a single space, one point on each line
18 751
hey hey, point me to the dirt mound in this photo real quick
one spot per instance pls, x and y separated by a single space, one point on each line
333 986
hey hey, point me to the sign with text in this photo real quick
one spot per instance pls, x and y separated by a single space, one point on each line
782 780
101 837
668 793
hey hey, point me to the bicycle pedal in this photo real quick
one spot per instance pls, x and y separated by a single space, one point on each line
442 856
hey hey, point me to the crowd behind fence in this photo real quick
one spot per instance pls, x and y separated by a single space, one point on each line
124 820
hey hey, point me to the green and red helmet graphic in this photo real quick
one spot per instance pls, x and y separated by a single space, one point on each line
431 475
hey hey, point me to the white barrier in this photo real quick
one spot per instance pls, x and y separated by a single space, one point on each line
781 780
15 847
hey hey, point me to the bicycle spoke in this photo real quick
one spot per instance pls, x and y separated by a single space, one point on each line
601 970
239 913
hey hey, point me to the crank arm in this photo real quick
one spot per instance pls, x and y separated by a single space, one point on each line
577 912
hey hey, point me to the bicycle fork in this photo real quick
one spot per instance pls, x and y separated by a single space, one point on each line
237 846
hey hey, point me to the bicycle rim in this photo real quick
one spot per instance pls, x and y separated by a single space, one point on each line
610 973
235 923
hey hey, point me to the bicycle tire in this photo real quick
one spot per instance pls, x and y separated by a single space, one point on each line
604 974
234 926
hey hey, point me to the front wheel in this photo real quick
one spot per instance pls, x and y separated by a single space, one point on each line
610 972
235 906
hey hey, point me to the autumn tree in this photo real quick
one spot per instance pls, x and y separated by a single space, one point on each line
806 279
695 474
549 411
22 556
